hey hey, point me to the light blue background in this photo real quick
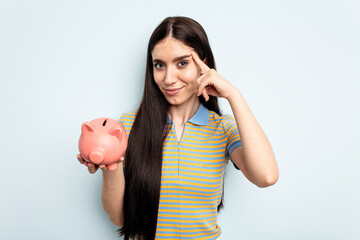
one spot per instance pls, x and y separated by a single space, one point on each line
295 62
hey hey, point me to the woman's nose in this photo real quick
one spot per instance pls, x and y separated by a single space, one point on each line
170 77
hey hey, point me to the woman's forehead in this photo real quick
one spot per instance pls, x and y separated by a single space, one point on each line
170 48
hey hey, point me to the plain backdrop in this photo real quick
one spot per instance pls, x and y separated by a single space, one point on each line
295 62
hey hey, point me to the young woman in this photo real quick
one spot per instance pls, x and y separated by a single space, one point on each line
170 183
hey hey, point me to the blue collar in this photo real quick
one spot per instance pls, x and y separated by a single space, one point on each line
201 117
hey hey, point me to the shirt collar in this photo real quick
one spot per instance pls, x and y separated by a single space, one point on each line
201 117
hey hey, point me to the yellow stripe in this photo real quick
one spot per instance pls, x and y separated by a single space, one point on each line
188 211
204 146
193 183
183 206
194 169
189 226
194 141
202 138
203 238
197 174
192 178
192 149
187 221
188 201
189 231
192 163
197 132
209 129
196 155
190 188
190 197
184 140
194 193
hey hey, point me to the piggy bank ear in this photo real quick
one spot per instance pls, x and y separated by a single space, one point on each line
117 132
87 127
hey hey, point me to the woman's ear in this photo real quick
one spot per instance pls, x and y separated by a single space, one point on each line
205 61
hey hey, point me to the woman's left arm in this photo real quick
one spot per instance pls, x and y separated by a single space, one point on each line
255 158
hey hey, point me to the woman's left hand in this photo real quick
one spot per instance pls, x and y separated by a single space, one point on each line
211 82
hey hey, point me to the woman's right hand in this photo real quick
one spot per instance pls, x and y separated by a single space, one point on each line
92 168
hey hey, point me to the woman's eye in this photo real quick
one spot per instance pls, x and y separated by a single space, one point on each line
182 64
158 65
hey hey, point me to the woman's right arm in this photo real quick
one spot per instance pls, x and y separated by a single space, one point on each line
113 189
113 193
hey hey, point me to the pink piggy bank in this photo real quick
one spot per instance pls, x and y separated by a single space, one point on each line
103 141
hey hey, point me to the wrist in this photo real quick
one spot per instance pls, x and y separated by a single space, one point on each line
108 175
234 95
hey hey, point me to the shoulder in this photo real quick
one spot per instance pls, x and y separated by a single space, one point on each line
127 119
223 120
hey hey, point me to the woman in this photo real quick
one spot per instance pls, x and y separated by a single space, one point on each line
179 146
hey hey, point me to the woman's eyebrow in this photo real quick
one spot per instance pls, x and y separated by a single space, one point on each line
175 59
181 58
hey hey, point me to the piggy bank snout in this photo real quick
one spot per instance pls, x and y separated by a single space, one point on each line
96 157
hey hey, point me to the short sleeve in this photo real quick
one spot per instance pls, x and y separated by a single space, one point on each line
122 122
121 119
127 120
233 135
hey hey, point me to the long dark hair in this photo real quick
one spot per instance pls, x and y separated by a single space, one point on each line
143 159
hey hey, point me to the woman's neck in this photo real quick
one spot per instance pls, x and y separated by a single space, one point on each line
180 114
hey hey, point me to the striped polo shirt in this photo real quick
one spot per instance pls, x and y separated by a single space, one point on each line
192 174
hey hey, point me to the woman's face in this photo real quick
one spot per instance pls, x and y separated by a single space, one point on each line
175 72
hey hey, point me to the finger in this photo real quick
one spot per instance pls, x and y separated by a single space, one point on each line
202 85
205 94
92 168
201 78
212 91
81 160
199 62
206 89
203 67
103 167
112 167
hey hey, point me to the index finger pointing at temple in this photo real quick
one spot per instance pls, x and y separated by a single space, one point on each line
201 64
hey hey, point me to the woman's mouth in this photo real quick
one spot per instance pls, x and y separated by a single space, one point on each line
173 91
